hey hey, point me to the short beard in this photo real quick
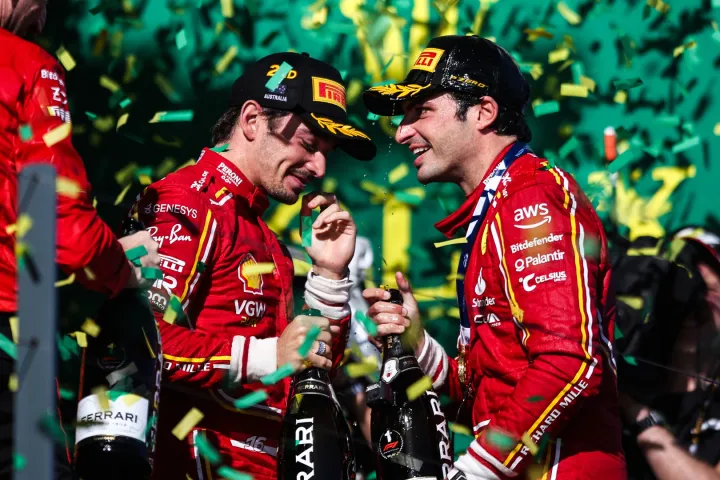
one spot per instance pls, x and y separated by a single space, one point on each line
282 195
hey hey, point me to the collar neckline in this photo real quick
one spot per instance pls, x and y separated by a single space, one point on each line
461 217
234 181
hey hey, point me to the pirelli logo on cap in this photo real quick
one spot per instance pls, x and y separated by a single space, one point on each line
428 59
327 91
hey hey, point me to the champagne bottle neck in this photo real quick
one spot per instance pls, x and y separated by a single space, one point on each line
314 373
394 347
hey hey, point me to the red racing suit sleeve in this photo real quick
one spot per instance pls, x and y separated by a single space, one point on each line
84 241
553 294
182 223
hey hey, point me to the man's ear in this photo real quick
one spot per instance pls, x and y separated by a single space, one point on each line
485 113
249 120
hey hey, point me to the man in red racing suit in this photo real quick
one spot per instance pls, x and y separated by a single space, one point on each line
537 313
236 314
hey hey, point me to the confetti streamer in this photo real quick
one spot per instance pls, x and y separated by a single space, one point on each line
627 84
686 144
227 9
226 59
21 227
109 83
67 60
151 273
102 394
15 328
90 327
572 90
459 429
122 121
7 346
177 116
528 442
282 372
207 451
535 399
398 173
26 133
501 440
231 474
250 399
558 55
716 129
418 388
57 134
355 370
125 102
221 148
309 339
568 14
259 268
80 338
546 108
278 76
13 382
181 39
630 359
454 241
366 322
568 147
135 254
19 462
187 423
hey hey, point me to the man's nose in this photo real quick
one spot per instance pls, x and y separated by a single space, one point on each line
404 132
317 164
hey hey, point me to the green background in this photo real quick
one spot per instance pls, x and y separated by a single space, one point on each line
666 123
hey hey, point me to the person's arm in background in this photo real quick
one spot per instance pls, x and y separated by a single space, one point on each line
86 246
668 459
555 305
212 360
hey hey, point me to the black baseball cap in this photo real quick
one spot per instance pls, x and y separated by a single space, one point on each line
312 89
465 64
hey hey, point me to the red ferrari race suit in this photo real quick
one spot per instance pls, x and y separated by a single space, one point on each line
207 220
541 312
32 96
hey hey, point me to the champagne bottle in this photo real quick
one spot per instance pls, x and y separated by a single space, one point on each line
410 437
315 440
120 389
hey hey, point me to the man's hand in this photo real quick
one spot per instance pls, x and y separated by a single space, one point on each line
152 259
293 337
333 235
396 319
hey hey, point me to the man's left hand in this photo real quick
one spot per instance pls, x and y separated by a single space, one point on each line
333 235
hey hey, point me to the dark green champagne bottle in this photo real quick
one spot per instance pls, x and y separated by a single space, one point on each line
315 441
410 437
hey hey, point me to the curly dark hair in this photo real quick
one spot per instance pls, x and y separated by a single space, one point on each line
510 121
223 128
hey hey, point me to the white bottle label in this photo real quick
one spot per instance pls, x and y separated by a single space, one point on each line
127 416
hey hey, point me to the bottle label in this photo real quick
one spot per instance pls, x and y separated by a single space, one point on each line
390 443
390 370
127 417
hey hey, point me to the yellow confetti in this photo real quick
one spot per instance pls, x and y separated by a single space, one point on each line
123 176
89 273
454 241
65 58
122 194
588 82
130 399
21 227
104 124
144 179
13 383
164 85
184 426
122 121
418 388
225 60
129 68
67 281
127 6
679 50
90 327
568 14
461 429
528 442
258 268
573 90
398 173
227 9
15 328
716 130
80 338
57 134
68 188
368 366
620 97
109 83
535 33
659 5
156 118
101 392
170 316
558 55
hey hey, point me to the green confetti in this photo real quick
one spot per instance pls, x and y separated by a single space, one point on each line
231 474
19 462
535 399
68 347
368 324
91 115
686 144
220 148
176 116
136 253
373 117
502 441
124 103
309 339
207 450
250 399
26 133
66 394
630 359
372 475
201 267
546 108
409 198
306 229
7 346
626 158
627 83
618 333
278 77
282 372
568 147
544 442
151 273
181 39
397 119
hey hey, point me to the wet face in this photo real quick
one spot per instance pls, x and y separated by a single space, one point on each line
288 156
438 140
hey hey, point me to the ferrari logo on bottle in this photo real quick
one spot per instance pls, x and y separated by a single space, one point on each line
428 59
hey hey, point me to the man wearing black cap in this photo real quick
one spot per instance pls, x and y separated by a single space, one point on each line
227 282
535 364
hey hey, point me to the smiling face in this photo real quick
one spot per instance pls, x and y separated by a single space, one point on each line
287 156
440 142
